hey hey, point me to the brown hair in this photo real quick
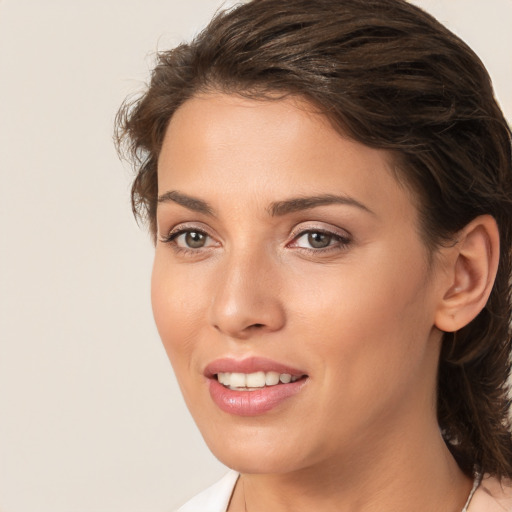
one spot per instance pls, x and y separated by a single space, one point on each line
390 76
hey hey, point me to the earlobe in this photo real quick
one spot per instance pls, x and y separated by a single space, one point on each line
472 271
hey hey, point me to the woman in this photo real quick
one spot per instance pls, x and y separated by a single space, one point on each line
329 188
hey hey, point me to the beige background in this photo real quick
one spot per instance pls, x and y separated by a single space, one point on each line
91 419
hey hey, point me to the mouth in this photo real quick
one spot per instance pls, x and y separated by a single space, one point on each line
255 381
252 386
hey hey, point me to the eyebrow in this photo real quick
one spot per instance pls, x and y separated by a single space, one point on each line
276 209
305 203
191 203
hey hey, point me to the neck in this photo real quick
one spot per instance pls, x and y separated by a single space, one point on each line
415 472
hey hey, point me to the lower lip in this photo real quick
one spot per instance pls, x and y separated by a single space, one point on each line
252 403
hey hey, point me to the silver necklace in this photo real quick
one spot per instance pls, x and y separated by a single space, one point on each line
476 484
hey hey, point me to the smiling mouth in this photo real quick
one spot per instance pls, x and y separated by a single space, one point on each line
255 381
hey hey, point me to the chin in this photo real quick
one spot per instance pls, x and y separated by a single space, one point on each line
257 450
257 462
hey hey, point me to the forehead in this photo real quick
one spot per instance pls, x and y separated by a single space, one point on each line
229 147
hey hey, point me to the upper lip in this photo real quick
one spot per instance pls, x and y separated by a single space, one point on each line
249 365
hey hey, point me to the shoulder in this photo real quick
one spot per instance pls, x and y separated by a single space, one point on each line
215 498
493 495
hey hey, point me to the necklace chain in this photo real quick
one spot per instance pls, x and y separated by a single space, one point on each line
476 484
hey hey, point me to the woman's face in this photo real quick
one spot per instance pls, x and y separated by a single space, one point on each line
287 252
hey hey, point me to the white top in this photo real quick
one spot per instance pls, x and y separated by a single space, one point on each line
491 496
215 498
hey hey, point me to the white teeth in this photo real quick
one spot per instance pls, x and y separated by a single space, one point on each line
255 380
252 381
271 378
238 380
224 378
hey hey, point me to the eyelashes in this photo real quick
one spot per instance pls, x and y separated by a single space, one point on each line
311 240
189 240
317 240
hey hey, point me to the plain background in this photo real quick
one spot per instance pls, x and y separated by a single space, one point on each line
91 419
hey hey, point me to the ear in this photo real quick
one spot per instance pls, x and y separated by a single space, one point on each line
472 267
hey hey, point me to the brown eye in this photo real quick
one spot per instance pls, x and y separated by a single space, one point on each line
319 240
195 239
191 239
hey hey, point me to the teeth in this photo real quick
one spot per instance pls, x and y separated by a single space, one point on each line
271 378
253 381
238 380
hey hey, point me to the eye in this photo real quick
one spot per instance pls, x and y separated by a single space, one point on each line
319 239
316 239
189 239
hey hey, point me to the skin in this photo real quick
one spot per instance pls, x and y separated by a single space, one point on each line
358 316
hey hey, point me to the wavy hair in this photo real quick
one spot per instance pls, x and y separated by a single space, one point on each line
392 77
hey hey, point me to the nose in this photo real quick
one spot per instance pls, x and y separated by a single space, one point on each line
247 301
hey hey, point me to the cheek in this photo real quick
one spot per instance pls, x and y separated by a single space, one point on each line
371 319
178 304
